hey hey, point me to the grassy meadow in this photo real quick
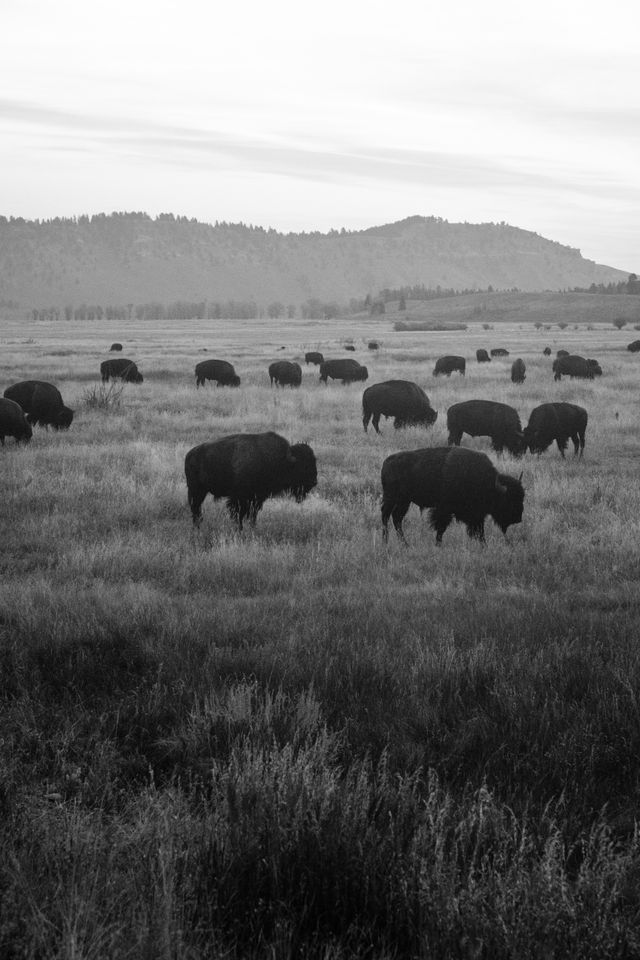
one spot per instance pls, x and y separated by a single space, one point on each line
296 742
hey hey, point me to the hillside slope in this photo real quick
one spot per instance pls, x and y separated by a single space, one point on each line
121 258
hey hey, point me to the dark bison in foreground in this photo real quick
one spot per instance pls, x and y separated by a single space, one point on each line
285 373
247 468
348 370
13 422
559 422
402 399
448 365
313 357
499 352
221 371
575 367
42 403
452 483
634 346
518 371
115 346
120 368
482 356
547 351
486 418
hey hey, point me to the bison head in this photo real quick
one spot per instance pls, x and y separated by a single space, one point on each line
534 440
508 501
234 381
303 473
64 419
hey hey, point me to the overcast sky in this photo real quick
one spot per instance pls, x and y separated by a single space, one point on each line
308 116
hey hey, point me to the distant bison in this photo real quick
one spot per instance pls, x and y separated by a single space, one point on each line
634 347
373 345
448 365
115 346
401 399
547 351
573 366
13 422
559 422
486 418
313 357
350 346
518 371
120 368
453 483
42 403
595 366
285 373
482 356
221 371
247 469
349 371
499 352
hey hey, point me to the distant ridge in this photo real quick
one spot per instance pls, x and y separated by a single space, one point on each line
131 258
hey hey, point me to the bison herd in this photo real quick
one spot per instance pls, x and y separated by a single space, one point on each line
452 482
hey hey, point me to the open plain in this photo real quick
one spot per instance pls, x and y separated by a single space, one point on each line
297 742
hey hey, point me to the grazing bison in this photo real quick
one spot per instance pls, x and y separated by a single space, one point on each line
115 346
518 371
499 352
573 366
402 399
486 418
453 483
373 345
347 370
120 368
595 366
634 346
559 422
547 351
13 422
42 403
313 357
247 468
562 353
285 373
482 356
221 371
350 347
447 365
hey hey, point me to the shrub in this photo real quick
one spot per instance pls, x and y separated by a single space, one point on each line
104 396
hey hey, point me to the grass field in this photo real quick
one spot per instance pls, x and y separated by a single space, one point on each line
296 742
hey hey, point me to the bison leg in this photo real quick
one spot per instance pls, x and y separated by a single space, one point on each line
238 510
475 529
439 520
253 509
376 421
196 498
366 416
581 439
455 436
397 510
562 445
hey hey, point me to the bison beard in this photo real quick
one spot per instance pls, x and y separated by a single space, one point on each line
247 469
453 483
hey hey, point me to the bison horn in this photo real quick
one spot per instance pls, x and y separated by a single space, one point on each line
520 478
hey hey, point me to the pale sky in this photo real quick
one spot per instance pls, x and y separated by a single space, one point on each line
311 117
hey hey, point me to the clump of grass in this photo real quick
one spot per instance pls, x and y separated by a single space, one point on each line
104 396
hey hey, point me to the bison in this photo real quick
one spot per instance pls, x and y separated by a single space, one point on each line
350 347
595 366
221 371
313 356
559 422
348 370
285 373
13 422
562 353
42 403
499 352
518 371
547 351
453 483
120 368
115 346
247 468
482 356
634 346
573 366
373 345
486 418
447 365
402 399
